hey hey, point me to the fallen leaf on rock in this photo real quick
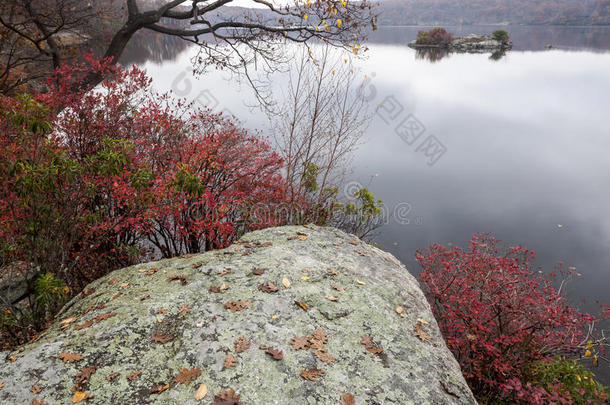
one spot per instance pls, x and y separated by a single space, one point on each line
117 295
225 272
305 278
70 357
303 238
80 396
84 376
300 343
302 233
421 333
1 385
124 285
332 272
64 323
134 375
144 298
84 325
348 399
292 237
161 311
286 282
37 402
258 272
12 359
302 305
275 353
186 376
103 317
360 282
161 338
263 347
422 321
268 288
230 361
184 310
112 376
236 306
354 242
226 398
248 245
274 316
400 311
266 244
197 265
87 291
320 335
159 389
178 277
338 288
370 345
323 355
152 271
215 289
312 374
332 298
36 389
201 392
241 345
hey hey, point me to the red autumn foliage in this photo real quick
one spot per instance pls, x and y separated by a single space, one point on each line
89 181
500 318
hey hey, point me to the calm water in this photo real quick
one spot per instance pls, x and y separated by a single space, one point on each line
526 142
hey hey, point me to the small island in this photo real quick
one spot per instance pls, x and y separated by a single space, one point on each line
440 38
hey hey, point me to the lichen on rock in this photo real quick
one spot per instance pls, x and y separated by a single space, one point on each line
167 319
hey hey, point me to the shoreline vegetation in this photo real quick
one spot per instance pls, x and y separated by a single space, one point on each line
441 39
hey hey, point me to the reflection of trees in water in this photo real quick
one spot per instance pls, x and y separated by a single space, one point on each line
431 54
497 55
151 46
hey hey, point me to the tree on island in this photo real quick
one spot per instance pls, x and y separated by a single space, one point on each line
32 30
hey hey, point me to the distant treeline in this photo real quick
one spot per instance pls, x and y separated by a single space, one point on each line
433 12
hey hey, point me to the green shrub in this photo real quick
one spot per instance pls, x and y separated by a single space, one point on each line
501 35
570 379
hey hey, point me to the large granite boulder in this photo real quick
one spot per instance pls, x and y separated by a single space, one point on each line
290 315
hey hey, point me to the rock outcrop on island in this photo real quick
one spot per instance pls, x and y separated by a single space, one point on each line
289 315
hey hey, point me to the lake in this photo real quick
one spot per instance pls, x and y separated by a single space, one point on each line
518 147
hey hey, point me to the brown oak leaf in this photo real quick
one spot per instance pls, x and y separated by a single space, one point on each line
302 305
70 357
323 355
84 376
80 396
338 288
113 281
87 291
275 353
312 374
112 376
230 360
134 375
117 295
421 333
236 306
268 288
266 244
64 323
333 298
84 325
225 272
258 272
300 343
226 398
241 345
39 402
152 271
103 317
184 310
36 389
159 389
320 335
178 277
161 338
370 345
186 376
348 399
197 265
332 272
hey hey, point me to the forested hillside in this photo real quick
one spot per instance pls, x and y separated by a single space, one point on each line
569 12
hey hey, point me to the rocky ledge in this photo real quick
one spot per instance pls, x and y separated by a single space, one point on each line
300 315
470 44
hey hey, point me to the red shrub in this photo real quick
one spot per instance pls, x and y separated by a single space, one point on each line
498 317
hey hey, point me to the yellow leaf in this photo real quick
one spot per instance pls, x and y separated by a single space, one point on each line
399 310
587 353
1 385
201 392
423 321
339 22
305 237
286 282
12 358
305 17
304 278
274 317
80 396
360 282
